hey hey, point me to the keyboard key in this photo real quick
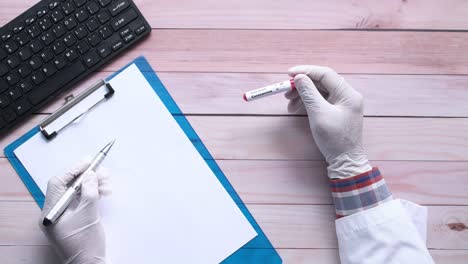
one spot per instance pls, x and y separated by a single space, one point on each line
54 4
58 47
104 51
34 31
91 59
9 115
140 29
125 31
117 45
53 84
47 55
81 15
14 94
71 55
6 36
28 21
69 40
129 37
105 32
92 8
42 12
70 23
22 38
36 46
103 16
123 19
25 54
24 70
80 32
60 62
118 7
22 106
104 3
12 78
45 23
25 86
92 24
35 63
38 78
17 28
10 47
49 69
2 54
68 8
13 61
47 38
4 101
82 47
79 3
3 85
94 39
59 30
56 16
3 69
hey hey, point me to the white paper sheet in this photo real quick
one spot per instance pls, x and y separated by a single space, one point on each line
167 206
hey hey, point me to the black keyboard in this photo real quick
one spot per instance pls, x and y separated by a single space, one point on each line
54 44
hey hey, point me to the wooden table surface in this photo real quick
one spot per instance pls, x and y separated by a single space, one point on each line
409 58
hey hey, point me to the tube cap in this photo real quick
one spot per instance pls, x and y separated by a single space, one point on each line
293 84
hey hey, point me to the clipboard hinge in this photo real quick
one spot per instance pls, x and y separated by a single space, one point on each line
70 102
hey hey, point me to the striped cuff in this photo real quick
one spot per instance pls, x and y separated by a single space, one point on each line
358 193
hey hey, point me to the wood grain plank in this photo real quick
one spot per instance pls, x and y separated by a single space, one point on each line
287 226
330 256
305 182
45 255
385 95
282 14
289 138
303 14
365 52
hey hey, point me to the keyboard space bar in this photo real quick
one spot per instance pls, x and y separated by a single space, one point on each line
59 80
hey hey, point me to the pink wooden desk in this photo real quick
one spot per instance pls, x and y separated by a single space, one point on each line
409 59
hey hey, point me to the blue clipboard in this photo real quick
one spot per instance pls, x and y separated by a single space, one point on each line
258 250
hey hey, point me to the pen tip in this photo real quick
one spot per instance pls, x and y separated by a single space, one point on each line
46 222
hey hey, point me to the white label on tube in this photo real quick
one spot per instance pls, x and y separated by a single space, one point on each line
268 90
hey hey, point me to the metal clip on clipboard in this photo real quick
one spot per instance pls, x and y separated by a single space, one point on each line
70 101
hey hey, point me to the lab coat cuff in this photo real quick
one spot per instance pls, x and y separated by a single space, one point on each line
365 220
359 193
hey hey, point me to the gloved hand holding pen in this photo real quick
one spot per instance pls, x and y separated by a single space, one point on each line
78 236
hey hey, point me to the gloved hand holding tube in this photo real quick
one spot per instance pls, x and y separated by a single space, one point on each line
336 121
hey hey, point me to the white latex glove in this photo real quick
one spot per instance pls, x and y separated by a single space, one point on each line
335 112
78 236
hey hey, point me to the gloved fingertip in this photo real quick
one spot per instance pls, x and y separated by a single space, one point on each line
105 191
292 94
302 81
90 186
294 105
103 172
293 71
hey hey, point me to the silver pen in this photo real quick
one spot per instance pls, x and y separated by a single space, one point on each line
57 210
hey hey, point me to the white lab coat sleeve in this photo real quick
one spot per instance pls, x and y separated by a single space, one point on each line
392 232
